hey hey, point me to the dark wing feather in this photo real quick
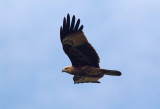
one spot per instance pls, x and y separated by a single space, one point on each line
85 79
75 44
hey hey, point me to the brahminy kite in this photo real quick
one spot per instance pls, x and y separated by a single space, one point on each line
84 58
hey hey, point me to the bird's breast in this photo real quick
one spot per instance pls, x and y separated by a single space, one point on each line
88 71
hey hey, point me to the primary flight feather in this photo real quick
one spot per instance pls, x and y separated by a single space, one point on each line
84 58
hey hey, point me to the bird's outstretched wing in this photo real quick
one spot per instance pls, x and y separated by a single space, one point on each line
76 45
85 79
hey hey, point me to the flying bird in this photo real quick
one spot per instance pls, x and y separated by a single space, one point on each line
84 58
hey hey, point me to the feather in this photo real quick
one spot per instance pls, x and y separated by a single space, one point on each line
76 45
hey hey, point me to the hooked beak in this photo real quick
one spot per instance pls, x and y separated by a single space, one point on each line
63 70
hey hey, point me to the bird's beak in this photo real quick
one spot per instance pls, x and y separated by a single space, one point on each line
63 70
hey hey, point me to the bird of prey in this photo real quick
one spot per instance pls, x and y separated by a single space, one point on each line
84 59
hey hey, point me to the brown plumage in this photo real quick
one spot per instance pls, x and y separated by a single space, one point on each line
84 59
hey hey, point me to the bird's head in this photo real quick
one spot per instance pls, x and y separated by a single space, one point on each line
67 69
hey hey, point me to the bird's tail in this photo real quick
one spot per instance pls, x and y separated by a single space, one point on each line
111 72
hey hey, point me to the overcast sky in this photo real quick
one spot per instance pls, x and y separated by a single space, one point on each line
125 33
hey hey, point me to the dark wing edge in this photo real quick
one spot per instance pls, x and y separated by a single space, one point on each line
69 28
85 79
83 54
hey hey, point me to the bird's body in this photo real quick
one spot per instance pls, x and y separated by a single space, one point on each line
89 71
84 73
85 60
